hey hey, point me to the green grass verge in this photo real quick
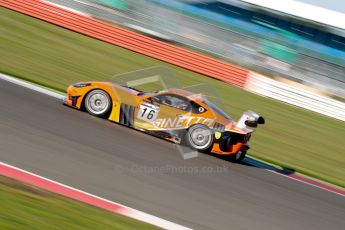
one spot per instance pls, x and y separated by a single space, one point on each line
52 56
26 207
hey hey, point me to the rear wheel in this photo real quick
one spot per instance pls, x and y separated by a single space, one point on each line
98 103
199 137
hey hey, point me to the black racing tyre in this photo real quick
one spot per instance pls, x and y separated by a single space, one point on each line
98 103
199 137
238 157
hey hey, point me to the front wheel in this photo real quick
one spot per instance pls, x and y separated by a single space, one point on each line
98 103
237 157
199 137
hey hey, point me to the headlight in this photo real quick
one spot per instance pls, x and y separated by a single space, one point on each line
81 84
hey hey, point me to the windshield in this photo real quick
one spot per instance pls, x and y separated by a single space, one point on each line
218 110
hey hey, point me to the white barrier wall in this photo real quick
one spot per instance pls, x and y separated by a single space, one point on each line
268 87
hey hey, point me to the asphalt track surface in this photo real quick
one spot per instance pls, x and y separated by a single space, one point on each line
40 135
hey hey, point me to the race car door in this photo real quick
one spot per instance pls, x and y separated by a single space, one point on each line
163 112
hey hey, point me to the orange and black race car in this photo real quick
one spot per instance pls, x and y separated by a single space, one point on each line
174 114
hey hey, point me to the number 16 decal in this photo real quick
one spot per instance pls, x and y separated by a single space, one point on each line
148 112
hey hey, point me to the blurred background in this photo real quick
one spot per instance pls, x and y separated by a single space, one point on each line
295 50
293 41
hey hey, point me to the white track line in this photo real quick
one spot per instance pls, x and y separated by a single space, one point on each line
31 86
308 183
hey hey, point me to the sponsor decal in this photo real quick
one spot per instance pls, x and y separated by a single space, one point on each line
148 112
217 135
182 122
201 109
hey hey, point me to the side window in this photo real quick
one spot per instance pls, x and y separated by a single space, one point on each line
175 101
